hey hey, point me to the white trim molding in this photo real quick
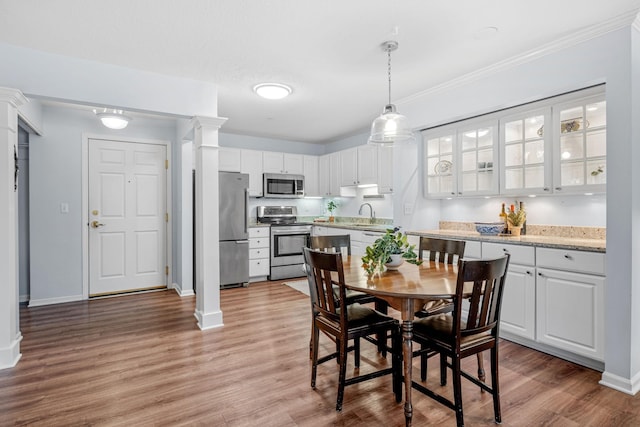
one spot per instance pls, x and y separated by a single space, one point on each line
625 20
628 386
56 300
210 320
12 96
183 292
10 355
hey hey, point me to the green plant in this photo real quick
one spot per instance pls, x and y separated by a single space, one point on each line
392 242
517 217
331 206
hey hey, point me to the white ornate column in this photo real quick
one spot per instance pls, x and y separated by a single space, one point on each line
10 335
205 139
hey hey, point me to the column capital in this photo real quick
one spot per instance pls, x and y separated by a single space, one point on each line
12 96
207 122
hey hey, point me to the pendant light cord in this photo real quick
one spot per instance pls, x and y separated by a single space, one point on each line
389 68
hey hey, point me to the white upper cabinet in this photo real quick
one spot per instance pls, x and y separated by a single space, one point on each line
229 159
359 166
349 167
251 163
440 169
311 176
478 161
525 149
580 162
554 146
385 169
461 160
282 163
329 174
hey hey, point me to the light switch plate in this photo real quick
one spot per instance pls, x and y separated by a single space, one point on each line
408 208
64 207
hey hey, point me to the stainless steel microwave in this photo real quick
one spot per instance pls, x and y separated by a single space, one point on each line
282 186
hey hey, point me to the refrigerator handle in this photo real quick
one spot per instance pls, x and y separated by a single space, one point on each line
246 210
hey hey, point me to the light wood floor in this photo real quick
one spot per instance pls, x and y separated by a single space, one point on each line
141 360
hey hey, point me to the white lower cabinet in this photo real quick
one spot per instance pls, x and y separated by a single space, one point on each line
258 253
554 297
518 314
571 311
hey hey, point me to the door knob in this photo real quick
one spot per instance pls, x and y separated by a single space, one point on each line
96 224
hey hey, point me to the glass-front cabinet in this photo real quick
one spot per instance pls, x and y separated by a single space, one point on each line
478 171
554 146
526 153
580 157
461 160
439 175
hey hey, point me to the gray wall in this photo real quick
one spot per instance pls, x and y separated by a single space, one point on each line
56 177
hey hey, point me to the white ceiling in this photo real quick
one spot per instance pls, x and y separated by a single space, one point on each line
327 50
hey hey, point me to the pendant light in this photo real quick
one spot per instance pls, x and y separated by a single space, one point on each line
390 126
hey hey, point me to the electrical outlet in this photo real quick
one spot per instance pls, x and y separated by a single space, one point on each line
408 208
64 208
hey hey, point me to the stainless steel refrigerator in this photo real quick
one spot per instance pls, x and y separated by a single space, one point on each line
234 233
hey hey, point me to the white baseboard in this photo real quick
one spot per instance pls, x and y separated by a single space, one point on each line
209 320
183 292
10 355
58 300
628 386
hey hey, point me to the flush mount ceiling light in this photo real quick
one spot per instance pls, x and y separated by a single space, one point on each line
272 90
390 126
113 119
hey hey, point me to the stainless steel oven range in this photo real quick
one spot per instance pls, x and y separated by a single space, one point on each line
288 237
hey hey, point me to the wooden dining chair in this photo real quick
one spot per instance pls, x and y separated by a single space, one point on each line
455 337
337 243
345 322
443 251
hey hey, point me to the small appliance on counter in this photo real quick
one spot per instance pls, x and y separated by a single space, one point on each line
288 237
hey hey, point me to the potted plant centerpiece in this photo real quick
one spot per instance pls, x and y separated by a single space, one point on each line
389 252
331 206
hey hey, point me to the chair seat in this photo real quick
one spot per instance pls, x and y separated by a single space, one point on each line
359 316
439 328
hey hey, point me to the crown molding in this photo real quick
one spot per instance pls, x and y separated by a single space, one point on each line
213 122
631 18
12 96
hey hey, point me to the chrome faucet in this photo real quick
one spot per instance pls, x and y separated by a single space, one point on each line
373 214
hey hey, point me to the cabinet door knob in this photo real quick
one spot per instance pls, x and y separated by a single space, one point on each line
567 256
545 189
528 272
540 274
558 188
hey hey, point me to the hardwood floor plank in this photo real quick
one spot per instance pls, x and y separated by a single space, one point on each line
141 360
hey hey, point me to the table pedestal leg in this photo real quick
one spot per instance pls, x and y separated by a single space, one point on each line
407 353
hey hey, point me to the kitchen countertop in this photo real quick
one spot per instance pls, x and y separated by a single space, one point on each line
554 242
354 226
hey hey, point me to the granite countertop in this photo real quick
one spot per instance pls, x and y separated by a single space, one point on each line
556 242
354 226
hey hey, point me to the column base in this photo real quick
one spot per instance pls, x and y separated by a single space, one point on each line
209 320
10 355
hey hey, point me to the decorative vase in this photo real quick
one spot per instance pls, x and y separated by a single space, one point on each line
396 261
515 230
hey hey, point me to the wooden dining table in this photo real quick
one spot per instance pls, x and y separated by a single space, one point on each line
406 289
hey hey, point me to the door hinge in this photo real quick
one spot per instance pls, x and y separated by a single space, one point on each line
166 270
166 217
166 164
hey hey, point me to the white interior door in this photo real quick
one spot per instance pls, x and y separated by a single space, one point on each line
127 216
